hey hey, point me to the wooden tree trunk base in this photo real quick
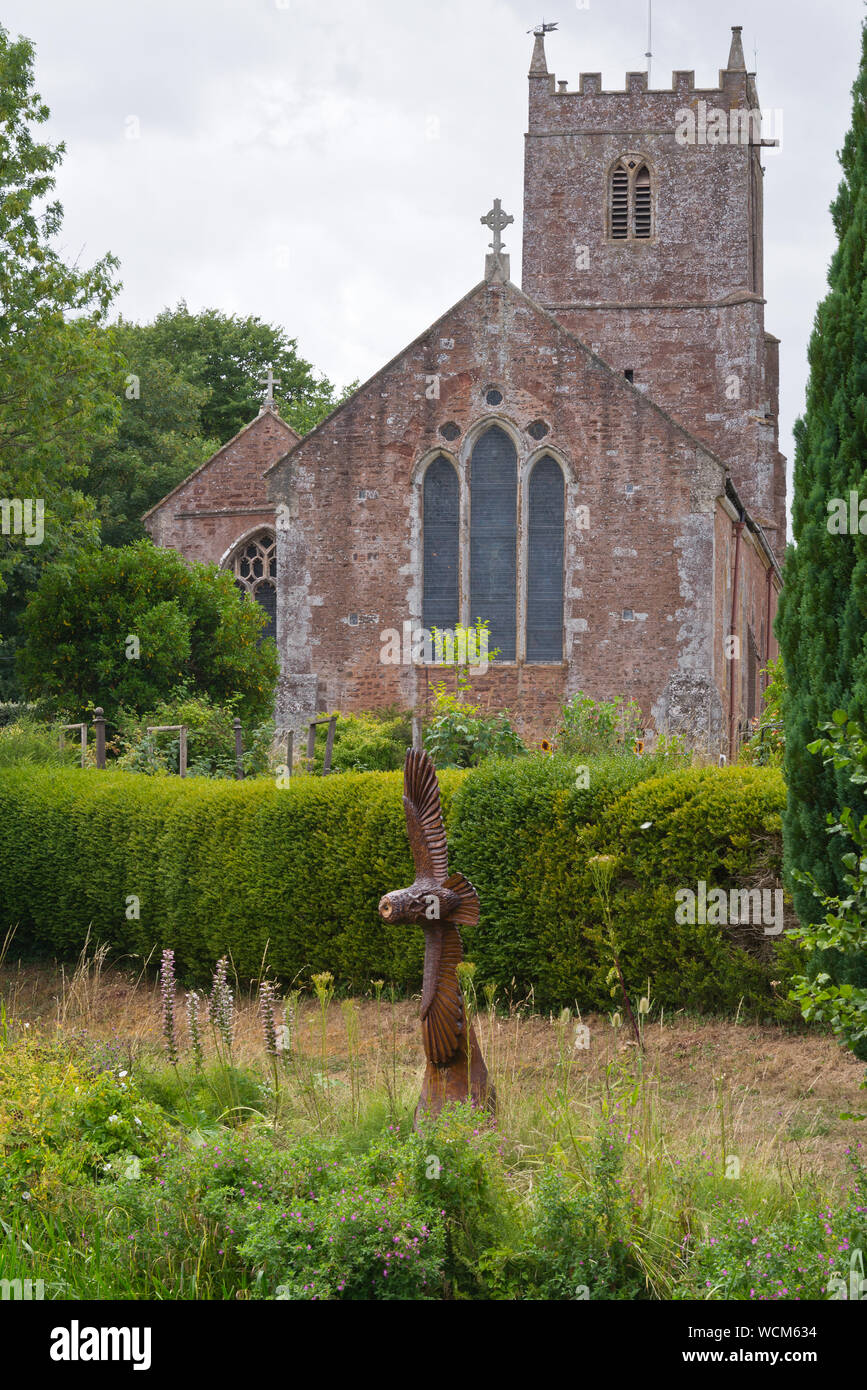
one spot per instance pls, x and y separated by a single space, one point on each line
460 1080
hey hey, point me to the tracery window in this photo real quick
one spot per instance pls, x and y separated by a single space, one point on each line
490 585
255 571
494 537
545 536
441 607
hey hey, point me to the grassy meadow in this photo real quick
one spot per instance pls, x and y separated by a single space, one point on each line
147 1151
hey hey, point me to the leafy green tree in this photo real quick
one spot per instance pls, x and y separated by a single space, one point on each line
58 369
822 622
158 443
130 627
228 357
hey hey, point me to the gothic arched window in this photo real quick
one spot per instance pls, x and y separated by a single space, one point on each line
493 537
630 200
255 571
545 544
441 503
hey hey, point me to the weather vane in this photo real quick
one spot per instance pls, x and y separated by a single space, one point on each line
543 28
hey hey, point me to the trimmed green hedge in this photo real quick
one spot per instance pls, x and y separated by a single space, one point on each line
525 842
237 867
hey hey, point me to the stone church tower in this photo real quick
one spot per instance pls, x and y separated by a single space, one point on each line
589 462
664 277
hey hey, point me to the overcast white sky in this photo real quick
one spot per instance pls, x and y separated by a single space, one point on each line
324 163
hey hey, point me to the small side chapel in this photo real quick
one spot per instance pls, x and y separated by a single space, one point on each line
590 461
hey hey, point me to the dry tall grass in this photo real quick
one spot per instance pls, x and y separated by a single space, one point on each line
772 1098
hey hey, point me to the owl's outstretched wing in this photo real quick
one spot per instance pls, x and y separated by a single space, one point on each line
442 1005
424 818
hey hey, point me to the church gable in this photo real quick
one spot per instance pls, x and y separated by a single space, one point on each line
498 469
226 498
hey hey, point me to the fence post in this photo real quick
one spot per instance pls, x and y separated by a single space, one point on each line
82 735
239 750
332 725
99 728
182 751
416 733
311 745
290 750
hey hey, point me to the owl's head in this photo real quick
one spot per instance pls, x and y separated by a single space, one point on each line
405 905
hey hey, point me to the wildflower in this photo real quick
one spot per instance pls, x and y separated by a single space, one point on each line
194 1028
267 1002
221 1005
322 983
167 990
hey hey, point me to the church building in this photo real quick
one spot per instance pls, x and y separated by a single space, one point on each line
588 462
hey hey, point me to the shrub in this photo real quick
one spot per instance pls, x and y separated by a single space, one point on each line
210 739
64 1120
375 742
317 1221
836 944
29 742
189 621
215 867
591 728
211 867
524 834
802 1255
458 735
766 745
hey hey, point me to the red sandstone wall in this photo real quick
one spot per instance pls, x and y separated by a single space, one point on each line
225 499
350 558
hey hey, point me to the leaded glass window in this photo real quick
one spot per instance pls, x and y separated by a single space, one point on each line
493 538
545 562
441 502
255 571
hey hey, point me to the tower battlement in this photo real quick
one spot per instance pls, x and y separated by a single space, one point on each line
643 234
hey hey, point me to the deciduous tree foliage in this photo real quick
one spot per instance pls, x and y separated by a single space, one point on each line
159 440
57 366
227 356
822 624
192 626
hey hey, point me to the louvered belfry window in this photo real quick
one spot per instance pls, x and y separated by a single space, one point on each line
545 562
255 571
441 503
631 200
494 537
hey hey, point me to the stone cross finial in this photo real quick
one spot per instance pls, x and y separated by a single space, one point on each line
497 220
269 383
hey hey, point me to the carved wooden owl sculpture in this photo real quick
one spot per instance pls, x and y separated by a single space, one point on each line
437 901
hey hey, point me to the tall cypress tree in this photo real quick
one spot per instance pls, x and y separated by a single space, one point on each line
822 622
